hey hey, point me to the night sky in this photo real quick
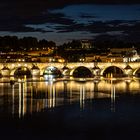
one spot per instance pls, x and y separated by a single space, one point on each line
62 21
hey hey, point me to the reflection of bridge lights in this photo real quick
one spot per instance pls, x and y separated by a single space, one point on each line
128 81
49 77
75 91
82 79
19 106
51 96
13 100
96 80
113 96
65 82
82 96
21 80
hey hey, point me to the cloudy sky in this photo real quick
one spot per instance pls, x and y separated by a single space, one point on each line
62 21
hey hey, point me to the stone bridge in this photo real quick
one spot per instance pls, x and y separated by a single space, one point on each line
96 68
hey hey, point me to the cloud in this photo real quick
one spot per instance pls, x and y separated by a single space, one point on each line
100 26
21 16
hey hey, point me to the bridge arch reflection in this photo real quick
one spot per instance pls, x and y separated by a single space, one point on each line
28 97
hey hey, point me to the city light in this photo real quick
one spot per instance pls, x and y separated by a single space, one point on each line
69 69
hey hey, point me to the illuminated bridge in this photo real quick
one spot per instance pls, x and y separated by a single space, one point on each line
72 69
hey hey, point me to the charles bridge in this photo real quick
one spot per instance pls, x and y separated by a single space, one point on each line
96 68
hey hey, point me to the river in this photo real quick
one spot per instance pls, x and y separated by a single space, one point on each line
68 108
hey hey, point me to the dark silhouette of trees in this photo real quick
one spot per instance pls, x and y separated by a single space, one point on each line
28 42
107 41
13 43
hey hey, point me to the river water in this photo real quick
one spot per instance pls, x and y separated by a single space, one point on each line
68 108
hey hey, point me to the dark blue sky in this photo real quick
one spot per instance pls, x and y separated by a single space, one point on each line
63 21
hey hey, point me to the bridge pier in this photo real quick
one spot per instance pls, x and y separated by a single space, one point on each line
96 71
128 71
35 71
5 71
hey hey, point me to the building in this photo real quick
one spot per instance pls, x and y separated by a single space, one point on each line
123 55
87 44
132 57
39 52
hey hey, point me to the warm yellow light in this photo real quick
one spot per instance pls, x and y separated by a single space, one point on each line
61 60
13 65
25 68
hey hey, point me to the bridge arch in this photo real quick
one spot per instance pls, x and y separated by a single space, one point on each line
137 72
113 71
51 70
81 71
35 70
5 71
21 71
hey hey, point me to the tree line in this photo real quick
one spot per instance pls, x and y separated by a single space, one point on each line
13 43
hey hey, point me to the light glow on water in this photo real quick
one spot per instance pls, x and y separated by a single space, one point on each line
29 97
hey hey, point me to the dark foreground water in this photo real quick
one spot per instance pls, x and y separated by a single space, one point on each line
70 109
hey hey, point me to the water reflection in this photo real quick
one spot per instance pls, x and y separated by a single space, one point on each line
113 94
27 97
